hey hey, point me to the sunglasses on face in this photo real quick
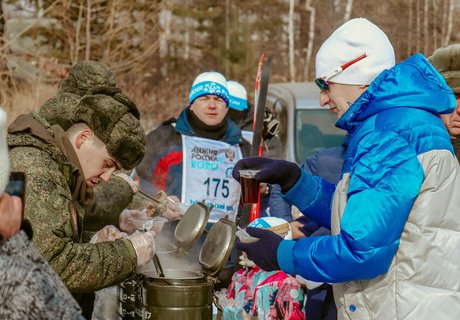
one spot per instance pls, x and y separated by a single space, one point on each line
323 82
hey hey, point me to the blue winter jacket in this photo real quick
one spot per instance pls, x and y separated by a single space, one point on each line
393 122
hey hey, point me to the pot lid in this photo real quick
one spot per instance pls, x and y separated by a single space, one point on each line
192 225
217 247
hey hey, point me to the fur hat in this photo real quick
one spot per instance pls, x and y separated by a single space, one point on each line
115 124
351 40
85 77
4 159
238 96
447 61
209 83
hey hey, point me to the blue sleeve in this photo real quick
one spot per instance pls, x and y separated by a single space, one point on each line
385 181
312 195
278 207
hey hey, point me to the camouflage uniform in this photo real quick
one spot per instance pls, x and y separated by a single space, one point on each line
29 287
87 77
52 205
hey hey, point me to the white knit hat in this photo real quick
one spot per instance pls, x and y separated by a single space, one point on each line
238 96
354 38
209 83
4 159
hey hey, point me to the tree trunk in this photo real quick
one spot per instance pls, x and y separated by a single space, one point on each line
291 41
311 37
88 30
348 9
435 29
425 27
449 22
417 34
409 29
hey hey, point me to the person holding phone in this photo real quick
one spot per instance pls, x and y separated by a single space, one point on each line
29 287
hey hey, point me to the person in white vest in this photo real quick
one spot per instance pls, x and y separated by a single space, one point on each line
192 157
394 213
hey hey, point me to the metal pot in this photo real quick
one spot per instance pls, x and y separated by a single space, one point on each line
185 295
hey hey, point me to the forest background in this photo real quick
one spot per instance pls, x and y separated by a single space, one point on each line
157 47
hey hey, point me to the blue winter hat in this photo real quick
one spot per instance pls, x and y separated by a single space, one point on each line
209 83
238 96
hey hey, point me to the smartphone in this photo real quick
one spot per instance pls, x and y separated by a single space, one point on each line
16 186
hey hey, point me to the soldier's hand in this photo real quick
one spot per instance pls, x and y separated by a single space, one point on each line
144 245
108 233
131 220
10 215
174 209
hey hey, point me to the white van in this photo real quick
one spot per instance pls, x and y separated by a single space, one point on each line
305 126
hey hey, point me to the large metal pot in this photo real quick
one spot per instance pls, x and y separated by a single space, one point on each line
185 295
130 298
188 295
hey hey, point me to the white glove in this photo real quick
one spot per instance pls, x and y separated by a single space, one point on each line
132 220
174 208
108 233
144 245
133 184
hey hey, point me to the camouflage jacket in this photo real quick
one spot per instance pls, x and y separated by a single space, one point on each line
57 219
29 287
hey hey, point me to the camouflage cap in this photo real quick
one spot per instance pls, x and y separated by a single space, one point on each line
87 75
115 124
447 61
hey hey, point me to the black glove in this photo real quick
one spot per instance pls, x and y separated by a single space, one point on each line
264 251
282 172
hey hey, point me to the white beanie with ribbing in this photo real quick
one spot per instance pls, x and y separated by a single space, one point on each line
354 38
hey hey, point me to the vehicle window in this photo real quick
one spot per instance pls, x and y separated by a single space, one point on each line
314 130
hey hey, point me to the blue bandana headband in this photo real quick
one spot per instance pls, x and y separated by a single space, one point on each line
209 87
238 103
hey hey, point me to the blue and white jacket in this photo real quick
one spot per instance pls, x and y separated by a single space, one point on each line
395 214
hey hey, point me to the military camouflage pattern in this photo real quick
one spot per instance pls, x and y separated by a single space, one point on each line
112 198
83 267
84 77
29 287
447 61
115 125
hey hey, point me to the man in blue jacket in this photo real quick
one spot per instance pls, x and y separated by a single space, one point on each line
394 213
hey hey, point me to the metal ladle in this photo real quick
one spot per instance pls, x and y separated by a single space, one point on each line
159 269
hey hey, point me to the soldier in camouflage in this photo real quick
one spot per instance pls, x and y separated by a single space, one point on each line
98 135
29 287
447 61
112 197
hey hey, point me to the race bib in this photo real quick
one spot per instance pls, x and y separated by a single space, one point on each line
207 175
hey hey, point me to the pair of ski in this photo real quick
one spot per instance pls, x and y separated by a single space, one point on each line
252 211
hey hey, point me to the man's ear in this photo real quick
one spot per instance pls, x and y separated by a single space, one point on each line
83 136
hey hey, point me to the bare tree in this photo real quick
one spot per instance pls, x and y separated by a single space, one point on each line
88 30
311 36
291 41
449 22
409 29
348 9
425 26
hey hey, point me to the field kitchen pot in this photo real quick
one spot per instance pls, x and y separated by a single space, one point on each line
183 294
